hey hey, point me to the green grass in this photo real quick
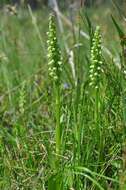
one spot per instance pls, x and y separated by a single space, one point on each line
92 154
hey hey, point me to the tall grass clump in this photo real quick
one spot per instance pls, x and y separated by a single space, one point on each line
57 133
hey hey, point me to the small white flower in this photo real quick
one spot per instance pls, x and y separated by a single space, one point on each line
96 59
124 72
54 54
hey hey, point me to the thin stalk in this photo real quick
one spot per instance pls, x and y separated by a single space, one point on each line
58 113
58 133
97 112
97 126
123 62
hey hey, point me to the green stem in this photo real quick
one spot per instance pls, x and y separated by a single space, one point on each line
97 127
123 102
96 110
58 126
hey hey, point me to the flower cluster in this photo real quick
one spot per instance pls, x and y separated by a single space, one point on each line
96 59
54 54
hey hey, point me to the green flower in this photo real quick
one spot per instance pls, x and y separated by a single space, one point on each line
96 59
54 54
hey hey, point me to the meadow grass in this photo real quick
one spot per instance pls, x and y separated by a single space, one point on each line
68 135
